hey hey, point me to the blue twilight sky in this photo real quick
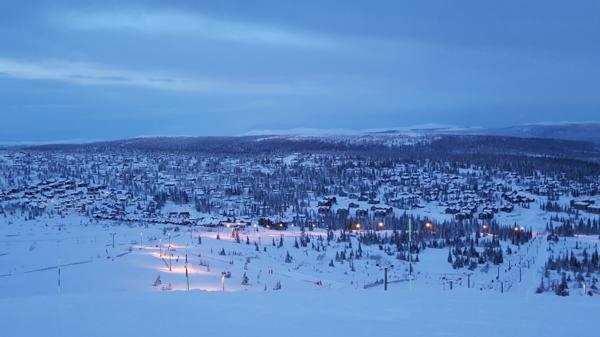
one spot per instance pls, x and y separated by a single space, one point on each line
75 70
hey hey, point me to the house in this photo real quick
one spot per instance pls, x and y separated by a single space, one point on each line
452 210
328 202
342 211
594 209
323 210
278 225
463 216
581 204
486 214
362 213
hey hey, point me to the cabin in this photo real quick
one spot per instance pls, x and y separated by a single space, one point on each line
328 202
594 209
323 210
278 225
362 212
486 214
342 211
581 204
463 216
452 210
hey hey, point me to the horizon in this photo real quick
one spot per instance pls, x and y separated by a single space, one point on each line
120 69
316 132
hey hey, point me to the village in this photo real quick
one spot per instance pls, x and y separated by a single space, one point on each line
308 198
304 190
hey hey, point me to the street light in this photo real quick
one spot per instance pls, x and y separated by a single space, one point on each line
381 225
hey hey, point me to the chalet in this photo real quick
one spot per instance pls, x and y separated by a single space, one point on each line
342 211
463 216
169 184
278 225
486 214
95 189
362 212
452 210
382 211
594 209
581 204
328 202
324 210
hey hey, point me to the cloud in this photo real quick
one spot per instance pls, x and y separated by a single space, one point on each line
94 74
193 25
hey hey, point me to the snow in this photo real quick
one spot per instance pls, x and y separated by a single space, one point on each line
108 291
61 275
416 312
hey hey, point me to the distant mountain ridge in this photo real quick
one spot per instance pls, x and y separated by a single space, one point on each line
584 131
588 132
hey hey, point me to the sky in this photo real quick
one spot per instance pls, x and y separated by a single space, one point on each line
97 70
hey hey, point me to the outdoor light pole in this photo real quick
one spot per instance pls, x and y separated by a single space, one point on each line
58 266
187 279
409 252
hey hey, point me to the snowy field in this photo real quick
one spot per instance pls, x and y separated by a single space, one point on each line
62 277
399 312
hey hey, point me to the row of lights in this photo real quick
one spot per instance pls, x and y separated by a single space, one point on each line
516 229
428 225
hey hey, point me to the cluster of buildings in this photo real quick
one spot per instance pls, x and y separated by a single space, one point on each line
275 190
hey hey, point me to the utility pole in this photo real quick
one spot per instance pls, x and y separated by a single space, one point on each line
58 267
187 279
113 239
409 252
520 278
385 278
520 264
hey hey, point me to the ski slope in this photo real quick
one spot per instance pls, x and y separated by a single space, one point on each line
62 277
